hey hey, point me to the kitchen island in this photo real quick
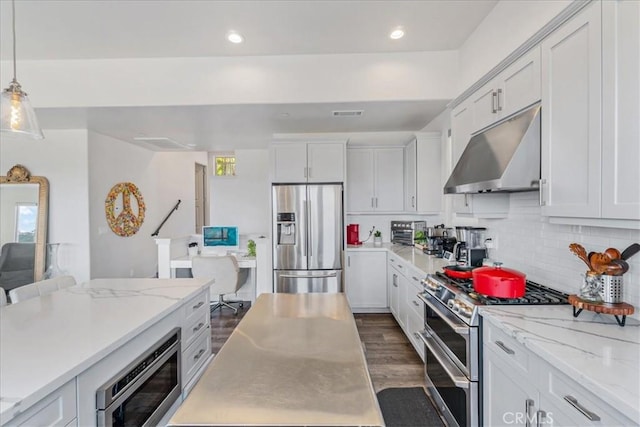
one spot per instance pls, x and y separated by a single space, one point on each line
76 338
295 359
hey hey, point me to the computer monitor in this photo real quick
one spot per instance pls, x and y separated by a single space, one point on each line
220 239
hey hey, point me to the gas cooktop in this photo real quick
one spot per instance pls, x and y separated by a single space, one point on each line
534 293
459 297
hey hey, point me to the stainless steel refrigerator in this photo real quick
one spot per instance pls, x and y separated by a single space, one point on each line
307 238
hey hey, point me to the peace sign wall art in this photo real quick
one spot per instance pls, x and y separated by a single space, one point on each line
127 222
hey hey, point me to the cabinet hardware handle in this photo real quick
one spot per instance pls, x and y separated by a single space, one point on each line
416 334
200 353
528 404
505 348
349 261
415 278
494 97
498 99
466 200
413 201
395 280
372 205
197 328
415 303
198 305
584 411
541 184
376 202
540 416
392 260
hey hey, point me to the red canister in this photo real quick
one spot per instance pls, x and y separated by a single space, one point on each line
499 282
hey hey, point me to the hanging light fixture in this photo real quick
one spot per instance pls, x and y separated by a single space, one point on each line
17 114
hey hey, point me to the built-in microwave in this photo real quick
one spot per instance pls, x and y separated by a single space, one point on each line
141 393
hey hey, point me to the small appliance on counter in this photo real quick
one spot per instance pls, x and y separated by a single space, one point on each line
469 249
404 232
353 234
436 237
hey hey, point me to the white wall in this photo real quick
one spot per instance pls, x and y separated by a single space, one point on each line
162 179
243 200
239 80
527 242
62 158
507 26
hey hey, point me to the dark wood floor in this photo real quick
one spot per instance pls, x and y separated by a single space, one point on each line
390 356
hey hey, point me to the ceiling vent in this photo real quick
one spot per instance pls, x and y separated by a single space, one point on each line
347 113
161 143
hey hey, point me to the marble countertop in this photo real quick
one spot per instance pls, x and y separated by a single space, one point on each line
47 341
591 349
294 359
427 264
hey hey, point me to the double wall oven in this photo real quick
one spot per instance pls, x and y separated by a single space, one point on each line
453 341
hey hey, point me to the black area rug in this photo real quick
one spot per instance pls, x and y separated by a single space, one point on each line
407 407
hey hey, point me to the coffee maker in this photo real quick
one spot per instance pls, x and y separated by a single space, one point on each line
470 249
353 234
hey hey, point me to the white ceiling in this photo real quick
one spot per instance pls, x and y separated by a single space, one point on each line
81 29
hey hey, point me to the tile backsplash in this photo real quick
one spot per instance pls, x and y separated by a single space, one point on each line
526 241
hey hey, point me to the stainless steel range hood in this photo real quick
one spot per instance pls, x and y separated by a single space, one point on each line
504 157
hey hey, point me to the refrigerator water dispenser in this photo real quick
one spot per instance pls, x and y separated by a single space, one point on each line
286 224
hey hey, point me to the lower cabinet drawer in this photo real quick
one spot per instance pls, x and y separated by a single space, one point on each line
195 355
577 405
416 304
195 305
194 326
57 409
512 351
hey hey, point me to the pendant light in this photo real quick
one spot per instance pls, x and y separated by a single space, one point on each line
17 114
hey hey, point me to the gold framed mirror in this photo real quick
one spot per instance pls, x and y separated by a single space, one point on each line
24 211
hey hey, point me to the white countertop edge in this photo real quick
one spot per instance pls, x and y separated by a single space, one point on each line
627 404
9 410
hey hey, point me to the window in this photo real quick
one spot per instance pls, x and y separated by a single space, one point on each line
225 165
26 220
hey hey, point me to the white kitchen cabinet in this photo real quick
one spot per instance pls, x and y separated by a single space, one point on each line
59 408
365 280
393 277
621 109
423 188
571 117
196 339
308 162
515 88
518 383
375 179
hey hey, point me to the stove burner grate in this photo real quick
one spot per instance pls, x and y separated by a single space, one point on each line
535 293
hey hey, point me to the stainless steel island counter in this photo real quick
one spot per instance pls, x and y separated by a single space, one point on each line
295 359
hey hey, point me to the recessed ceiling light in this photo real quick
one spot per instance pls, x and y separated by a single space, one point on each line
396 34
234 37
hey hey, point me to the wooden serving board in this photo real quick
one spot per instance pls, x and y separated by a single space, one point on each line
621 309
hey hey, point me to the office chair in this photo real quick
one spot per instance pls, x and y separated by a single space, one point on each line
227 275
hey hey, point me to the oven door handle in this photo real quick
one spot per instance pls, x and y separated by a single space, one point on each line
458 378
459 328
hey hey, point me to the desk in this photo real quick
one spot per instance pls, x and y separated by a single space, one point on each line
246 293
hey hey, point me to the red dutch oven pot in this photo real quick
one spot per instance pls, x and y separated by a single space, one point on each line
499 282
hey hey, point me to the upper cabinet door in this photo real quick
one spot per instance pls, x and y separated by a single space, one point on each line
389 179
484 106
360 185
325 162
621 112
519 84
289 162
410 169
571 112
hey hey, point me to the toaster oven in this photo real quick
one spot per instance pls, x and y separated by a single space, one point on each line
403 232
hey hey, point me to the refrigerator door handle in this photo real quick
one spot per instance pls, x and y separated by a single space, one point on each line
308 276
309 242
